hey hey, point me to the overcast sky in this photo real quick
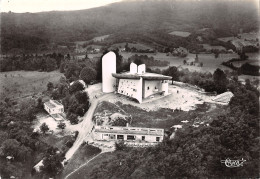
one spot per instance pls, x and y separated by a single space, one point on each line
50 5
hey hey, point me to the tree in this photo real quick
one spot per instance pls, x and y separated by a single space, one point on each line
39 103
73 118
50 86
76 86
10 147
88 74
50 64
52 165
220 80
61 126
86 56
127 49
72 70
44 127
82 97
184 62
216 54
120 145
173 72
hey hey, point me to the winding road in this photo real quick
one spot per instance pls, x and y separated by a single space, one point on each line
85 126
84 129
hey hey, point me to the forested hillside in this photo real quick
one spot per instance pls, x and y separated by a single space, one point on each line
31 31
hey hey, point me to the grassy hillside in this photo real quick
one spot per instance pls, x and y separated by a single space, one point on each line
18 84
30 30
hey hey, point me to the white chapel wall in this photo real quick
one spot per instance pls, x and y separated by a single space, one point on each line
131 87
151 87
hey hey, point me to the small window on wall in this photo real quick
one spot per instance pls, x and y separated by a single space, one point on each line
148 88
130 137
157 139
143 137
120 137
155 87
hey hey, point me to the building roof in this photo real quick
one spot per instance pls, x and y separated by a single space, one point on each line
145 76
49 104
53 104
130 130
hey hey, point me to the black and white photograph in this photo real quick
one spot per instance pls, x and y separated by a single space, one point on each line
129 89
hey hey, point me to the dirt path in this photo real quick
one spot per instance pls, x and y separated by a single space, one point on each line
85 126
71 173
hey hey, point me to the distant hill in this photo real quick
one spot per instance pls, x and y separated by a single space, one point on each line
31 31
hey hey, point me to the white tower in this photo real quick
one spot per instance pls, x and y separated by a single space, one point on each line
133 68
141 69
108 67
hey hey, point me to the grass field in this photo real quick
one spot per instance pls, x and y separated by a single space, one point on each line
17 84
180 33
83 154
84 171
210 47
96 39
248 36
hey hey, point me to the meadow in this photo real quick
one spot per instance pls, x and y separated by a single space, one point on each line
100 38
18 84
180 33
210 47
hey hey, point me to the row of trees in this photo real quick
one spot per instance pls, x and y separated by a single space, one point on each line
48 62
218 82
148 61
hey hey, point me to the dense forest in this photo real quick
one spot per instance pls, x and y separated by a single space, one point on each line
151 19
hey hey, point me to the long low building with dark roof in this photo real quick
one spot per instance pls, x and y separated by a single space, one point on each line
140 85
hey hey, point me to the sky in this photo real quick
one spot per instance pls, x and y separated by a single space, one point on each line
50 5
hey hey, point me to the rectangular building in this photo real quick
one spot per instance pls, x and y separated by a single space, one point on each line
53 107
129 134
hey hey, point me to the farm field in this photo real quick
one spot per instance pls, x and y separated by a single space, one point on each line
253 59
210 63
180 33
210 47
100 38
248 36
243 78
16 84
